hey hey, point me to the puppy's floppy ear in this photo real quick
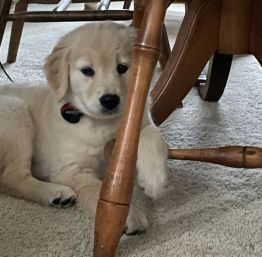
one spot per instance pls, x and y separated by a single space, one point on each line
57 70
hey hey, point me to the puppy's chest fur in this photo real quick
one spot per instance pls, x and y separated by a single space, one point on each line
66 147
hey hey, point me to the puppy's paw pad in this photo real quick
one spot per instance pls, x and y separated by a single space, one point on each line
59 202
69 202
153 184
133 233
136 222
56 201
64 198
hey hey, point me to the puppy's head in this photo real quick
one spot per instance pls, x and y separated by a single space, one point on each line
89 68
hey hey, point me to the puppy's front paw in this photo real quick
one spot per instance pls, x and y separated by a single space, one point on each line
136 222
152 162
63 197
152 179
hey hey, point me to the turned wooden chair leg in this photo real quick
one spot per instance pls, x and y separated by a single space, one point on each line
196 42
116 192
218 72
4 11
138 14
165 52
255 41
16 32
165 48
230 156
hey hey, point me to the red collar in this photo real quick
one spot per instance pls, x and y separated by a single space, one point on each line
70 113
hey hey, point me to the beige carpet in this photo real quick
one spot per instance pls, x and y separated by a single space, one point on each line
207 210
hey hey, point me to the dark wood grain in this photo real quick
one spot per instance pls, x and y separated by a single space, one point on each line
16 32
217 76
196 42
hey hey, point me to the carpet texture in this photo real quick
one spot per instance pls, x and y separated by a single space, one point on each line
206 210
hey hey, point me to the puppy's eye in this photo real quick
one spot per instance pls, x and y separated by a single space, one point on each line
88 71
122 68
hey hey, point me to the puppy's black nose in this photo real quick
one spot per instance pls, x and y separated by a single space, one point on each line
109 101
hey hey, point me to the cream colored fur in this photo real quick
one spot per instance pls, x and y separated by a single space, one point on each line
45 159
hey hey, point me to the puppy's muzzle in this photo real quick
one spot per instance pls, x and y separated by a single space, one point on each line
109 102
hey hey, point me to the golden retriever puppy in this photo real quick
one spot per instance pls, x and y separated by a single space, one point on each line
52 138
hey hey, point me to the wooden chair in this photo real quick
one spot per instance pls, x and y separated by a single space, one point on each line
209 28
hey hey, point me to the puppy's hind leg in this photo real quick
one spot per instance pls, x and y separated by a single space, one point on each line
16 140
